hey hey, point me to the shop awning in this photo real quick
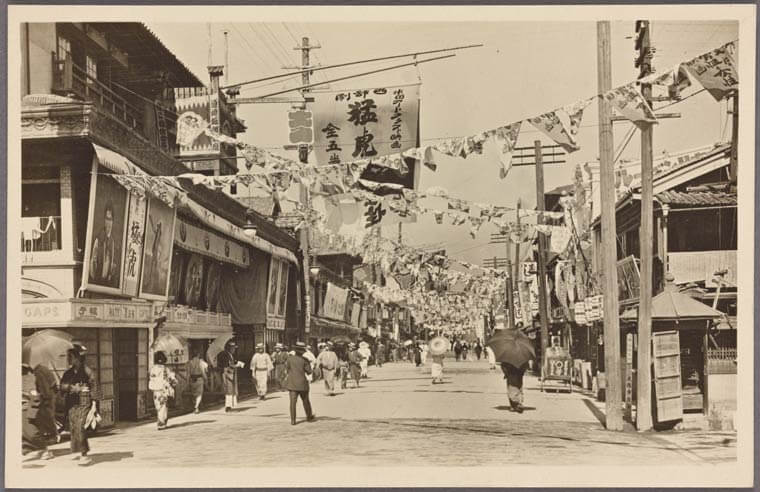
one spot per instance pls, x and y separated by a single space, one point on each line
672 305
122 166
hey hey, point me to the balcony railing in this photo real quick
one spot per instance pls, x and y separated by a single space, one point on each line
40 234
68 77
700 266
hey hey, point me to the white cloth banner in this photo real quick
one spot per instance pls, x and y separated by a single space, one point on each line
716 70
335 302
630 103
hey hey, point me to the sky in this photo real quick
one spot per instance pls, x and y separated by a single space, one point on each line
524 69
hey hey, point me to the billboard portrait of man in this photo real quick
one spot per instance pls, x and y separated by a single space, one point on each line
106 247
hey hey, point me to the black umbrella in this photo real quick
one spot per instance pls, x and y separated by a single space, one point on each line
340 339
512 346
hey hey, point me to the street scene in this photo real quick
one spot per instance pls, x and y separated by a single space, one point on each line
468 244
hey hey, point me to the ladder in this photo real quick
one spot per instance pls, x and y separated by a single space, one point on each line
163 136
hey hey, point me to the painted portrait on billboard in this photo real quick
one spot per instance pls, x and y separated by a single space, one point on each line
157 253
105 245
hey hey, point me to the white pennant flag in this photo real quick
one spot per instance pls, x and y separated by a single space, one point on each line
562 125
505 138
716 70
630 103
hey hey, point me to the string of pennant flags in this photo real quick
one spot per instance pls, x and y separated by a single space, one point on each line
715 70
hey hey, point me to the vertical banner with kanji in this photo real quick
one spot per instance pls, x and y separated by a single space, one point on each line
363 124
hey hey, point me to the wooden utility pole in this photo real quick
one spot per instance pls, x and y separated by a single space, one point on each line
734 165
613 393
516 276
303 156
543 309
646 238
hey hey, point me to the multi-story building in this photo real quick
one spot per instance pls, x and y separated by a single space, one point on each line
116 249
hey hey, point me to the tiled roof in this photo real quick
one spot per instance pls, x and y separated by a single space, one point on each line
697 198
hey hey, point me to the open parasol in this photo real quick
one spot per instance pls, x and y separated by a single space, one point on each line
364 345
407 343
512 346
439 346
216 347
46 347
172 347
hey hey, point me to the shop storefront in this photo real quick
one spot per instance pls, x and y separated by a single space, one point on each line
116 334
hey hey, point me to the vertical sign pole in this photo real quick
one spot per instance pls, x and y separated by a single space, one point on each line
644 361
542 307
629 377
303 156
613 397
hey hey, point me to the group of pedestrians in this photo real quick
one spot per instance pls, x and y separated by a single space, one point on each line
463 349
79 393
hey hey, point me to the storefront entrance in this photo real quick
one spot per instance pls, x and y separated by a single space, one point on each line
125 352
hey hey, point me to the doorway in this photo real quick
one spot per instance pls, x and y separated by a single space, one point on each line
125 373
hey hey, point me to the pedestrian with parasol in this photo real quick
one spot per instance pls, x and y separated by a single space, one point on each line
513 349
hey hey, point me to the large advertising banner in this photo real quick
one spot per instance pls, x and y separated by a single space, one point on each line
361 124
335 302
138 205
157 253
106 227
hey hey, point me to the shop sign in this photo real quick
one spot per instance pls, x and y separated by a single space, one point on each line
275 323
628 279
134 243
47 312
529 271
123 312
580 313
335 302
208 243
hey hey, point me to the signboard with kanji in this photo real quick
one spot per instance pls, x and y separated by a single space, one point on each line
300 127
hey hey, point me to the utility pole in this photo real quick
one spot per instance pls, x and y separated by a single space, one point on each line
226 58
515 277
303 156
734 165
613 393
646 237
543 310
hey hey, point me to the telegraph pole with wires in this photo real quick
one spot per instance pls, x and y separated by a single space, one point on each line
644 359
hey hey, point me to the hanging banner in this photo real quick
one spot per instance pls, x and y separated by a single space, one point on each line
716 71
364 124
208 243
629 102
106 234
335 302
157 254
562 124
193 104
134 244
356 314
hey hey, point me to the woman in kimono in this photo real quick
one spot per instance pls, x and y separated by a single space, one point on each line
436 368
80 396
162 382
280 356
354 363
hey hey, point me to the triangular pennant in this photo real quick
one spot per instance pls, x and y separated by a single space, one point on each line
716 70
505 139
630 103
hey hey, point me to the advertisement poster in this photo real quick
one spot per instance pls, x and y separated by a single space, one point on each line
106 225
335 302
193 280
134 243
157 254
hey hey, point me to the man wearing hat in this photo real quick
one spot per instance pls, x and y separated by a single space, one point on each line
327 361
227 364
297 368
280 356
261 366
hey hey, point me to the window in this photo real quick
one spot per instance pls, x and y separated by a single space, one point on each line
63 48
40 209
92 70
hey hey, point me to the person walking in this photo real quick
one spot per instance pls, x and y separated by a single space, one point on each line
228 366
417 354
343 365
80 398
197 368
491 357
297 368
261 367
280 356
514 377
425 349
162 382
309 355
436 368
379 354
354 363
478 349
457 350
38 428
366 353
465 350
327 361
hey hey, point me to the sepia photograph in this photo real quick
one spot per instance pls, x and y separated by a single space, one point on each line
380 246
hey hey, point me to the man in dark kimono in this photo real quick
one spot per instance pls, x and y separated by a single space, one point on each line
297 367
228 366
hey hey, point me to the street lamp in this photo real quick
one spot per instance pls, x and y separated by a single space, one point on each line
249 229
